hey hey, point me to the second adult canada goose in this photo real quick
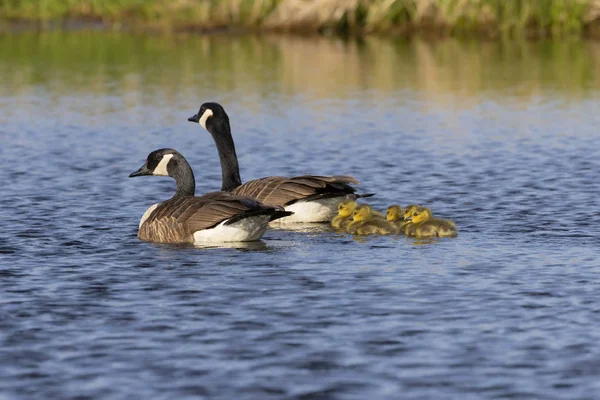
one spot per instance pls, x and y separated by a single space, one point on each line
185 218
312 198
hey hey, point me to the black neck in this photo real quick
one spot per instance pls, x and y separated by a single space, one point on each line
230 170
184 178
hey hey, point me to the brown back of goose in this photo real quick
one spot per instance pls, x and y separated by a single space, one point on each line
282 191
176 220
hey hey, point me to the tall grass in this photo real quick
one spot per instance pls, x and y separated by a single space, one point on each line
163 14
490 17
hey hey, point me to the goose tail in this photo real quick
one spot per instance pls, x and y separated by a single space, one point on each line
355 196
280 214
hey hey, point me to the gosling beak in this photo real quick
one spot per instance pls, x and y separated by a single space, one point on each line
408 219
141 172
194 118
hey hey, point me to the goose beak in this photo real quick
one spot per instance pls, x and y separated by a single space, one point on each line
141 172
194 118
409 219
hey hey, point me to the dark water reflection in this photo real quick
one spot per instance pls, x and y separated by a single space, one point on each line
501 137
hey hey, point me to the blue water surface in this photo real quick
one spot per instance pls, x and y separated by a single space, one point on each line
502 138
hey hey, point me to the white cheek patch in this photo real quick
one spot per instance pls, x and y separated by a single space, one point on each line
207 113
161 168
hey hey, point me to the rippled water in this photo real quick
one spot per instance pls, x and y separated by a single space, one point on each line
503 138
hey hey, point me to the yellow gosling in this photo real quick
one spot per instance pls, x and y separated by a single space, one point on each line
408 210
377 214
344 216
364 222
424 225
395 217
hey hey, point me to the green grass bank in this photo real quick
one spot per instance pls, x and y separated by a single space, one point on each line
516 18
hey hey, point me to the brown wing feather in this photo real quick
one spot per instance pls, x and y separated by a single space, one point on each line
280 190
177 219
214 213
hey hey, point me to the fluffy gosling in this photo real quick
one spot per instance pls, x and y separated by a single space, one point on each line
424 225
344 216
364 222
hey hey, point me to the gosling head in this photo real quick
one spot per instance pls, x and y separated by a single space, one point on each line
394 213
362 212
211 116
420 214
162 162
346 208
408 210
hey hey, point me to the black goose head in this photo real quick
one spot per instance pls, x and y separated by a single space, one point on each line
162 162
212 117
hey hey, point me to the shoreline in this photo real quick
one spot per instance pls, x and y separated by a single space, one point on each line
429 31
479 19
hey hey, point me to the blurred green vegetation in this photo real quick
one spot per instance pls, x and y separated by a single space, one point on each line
447 17
161 14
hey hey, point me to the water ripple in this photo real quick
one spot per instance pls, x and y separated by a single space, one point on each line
509 309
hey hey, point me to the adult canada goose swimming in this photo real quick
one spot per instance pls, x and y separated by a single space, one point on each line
424 225
312 198
214 217
364 222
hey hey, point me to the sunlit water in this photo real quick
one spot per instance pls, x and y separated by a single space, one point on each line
503 138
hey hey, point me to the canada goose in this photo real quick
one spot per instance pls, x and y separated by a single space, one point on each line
312 198
185 218
424 225
364 222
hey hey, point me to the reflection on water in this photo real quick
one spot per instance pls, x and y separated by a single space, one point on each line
122 65
258 245
500 137
303 227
